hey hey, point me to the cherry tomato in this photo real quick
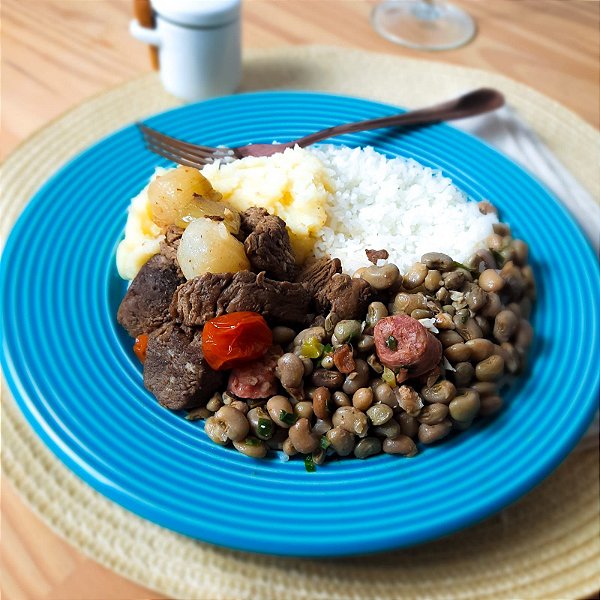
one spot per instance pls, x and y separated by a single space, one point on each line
140 346
234 339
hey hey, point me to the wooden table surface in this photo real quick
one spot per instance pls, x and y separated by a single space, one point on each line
57 53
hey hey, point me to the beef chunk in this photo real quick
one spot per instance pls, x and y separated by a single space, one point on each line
375 255
214 294
170 245
267 244
146 303
317 274
346 296
175 370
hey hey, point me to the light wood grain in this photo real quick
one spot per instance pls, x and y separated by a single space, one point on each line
56 53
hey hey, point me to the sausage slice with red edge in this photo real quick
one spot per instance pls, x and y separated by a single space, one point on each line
401 341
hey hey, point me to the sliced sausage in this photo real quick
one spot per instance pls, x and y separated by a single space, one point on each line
256 379
401 341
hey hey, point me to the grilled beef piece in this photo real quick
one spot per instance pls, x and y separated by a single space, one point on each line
214 294
146 303
175 370
317 274
348 297
267 244
170 245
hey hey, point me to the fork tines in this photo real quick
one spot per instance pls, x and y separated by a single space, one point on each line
183 153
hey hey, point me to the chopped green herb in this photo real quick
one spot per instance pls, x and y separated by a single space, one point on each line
391 342
458 265
252 441
327 349
499 258
325 443
389 377
265 427
287 418
309 463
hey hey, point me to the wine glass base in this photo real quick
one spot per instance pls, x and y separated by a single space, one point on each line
422 25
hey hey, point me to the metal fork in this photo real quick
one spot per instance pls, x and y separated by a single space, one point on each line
193 155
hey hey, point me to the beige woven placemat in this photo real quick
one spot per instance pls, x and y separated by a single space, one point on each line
545 546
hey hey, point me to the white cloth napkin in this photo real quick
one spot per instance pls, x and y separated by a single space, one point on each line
507 132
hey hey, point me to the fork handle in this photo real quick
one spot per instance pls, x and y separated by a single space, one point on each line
474 103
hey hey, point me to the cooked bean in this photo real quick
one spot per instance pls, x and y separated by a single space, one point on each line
329 379
526 307
490 405
401 444
444 321
290 370
198 413
449 338
501 229
215 403
480 349
288 448
521 252
309 392
346 330
252 447
227 398
485 256
327 362
304 410
433 281
406 303
421 313
457 352
433 413
461 317
322 426
464 373
389 429
513 279
320 400
235 424
454 280
484 325
331 320
341 440
408 400
384 394
380 414
491 281
432 433
283 335
432 376
505 325
358 378
366 343
465 406
490 369
375 312
312 332
512 361
381 278
441 392
515 308
275 406
319 456
351 419
494 241
368 446
341 399
475 297
442 295
437 260
408 425
524 335
493 305
362 398
303 439
241 406
374 363
415 276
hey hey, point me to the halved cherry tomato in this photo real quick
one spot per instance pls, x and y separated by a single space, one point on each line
234 339
140 347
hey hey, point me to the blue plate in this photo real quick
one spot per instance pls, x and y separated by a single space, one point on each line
74 376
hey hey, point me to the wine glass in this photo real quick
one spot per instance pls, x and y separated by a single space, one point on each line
423 24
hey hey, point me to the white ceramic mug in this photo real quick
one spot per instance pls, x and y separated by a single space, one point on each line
198 45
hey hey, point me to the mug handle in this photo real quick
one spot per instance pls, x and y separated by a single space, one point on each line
145 17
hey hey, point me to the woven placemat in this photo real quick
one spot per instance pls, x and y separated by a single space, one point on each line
545 546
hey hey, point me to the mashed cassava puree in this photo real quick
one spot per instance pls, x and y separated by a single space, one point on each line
324 302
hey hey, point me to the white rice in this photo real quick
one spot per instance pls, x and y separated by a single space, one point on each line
397 205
